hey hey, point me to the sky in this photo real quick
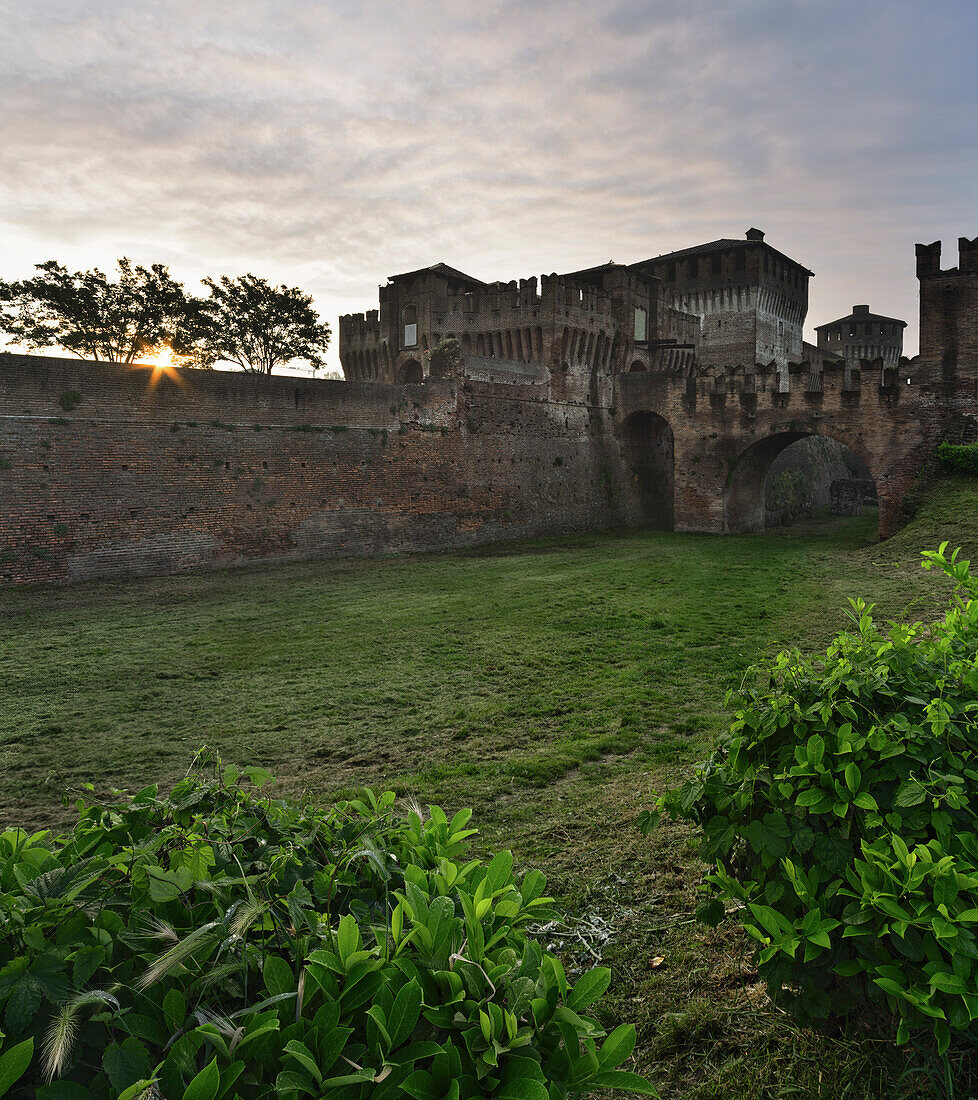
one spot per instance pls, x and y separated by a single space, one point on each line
328 144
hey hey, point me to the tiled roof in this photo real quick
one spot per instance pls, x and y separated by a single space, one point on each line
725 244
441 269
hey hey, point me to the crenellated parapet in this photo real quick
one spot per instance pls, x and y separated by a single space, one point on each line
949 312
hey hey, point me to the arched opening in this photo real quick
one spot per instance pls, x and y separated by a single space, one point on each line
795 476
648 451
636 366
410 372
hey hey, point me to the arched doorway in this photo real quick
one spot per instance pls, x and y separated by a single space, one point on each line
796 475
648 451
637 365
410 372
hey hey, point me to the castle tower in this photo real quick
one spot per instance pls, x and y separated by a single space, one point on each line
863 335
751 299
949 308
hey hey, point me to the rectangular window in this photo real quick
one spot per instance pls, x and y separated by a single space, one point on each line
641 325
411 336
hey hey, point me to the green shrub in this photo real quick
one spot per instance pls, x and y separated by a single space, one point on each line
222 943
962 458
839 813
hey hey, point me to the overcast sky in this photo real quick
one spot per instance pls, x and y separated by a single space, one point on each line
330 143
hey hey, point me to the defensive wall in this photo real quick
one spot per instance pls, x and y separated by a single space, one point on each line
108 470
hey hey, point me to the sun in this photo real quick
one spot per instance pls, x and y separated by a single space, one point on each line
164 364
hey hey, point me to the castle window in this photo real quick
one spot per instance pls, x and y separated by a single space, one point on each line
641 324
409 317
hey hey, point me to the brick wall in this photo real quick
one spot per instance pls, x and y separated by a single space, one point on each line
225 469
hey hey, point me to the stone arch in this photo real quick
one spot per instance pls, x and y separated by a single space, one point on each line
410 372
744 495
648 451
637 365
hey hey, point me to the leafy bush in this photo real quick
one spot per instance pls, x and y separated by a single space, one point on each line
960 457
221 943
839 812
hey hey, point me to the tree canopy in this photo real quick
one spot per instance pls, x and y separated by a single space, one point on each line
90 315
254 325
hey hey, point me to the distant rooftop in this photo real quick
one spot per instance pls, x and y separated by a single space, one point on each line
441 269
861 313
725 244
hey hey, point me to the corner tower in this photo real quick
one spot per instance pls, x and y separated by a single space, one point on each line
949 308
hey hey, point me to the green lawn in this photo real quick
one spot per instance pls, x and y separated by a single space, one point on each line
550 685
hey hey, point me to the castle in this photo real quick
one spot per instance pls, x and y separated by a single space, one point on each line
722 303
660 392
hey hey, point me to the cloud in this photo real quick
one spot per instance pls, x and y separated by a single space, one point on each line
330 144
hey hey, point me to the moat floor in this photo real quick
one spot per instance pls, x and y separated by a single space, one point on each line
549 685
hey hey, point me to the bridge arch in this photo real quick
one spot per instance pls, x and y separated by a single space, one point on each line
648 450
410 371
744 496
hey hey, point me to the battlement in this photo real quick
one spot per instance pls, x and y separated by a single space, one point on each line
968 255
929 259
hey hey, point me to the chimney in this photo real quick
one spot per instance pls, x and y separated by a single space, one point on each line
860 309
755 234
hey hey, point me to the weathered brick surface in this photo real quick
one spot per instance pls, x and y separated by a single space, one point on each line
225 468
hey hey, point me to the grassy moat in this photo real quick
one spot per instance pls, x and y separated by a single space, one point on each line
550 685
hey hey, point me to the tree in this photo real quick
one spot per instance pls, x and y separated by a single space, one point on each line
92 317
257 326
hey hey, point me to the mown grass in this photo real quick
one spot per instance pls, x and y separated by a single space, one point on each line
551 685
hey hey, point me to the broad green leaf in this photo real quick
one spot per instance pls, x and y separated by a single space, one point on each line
589 987
404 1013
278 976
347 938
205 1085
305 1057
626 1081
125 1063
617 1047
910 793
14 1063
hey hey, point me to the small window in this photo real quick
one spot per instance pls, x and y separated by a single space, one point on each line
409 317
641 325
